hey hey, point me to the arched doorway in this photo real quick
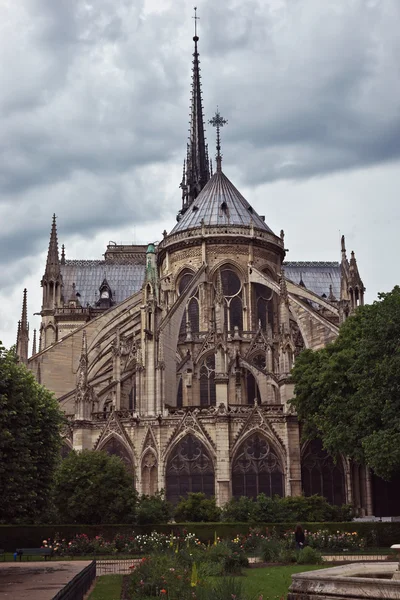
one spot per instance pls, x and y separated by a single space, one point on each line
256 469
189 469
321 475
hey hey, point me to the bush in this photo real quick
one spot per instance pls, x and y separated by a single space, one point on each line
230 561
238 509
196 507
309 556
160 572
153 509
271 550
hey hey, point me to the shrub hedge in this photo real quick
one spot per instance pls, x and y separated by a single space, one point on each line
382 534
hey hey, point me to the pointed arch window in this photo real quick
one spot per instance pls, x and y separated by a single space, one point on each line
191 318
189 469
232 290
256 469
264 307
207 382
251 387
113 447
320 475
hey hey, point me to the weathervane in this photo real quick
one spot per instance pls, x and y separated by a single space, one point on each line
218 122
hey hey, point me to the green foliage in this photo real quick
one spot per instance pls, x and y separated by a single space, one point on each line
271 550
231 560
309 556
160 572
197 507
238 509
222 589
153 509
30 423
279 510
348 394
93 487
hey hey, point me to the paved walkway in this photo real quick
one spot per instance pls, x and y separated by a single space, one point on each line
36 580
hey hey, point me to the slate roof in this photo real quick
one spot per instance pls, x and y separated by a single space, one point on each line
220 203
123 279
316 276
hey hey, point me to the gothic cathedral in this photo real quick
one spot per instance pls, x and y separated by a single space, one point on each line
177 356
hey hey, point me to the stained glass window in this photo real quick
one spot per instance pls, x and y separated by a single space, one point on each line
320 475
256 469
189 469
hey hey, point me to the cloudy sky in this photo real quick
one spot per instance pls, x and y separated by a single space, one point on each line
94 104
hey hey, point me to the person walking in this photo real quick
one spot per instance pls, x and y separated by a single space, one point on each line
299 537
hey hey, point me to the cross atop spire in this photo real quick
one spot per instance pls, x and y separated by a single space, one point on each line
218 122
197 170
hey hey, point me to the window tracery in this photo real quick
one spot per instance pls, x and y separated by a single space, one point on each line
207 382
264 307
232 291
256 469
191 315
320 475
189 469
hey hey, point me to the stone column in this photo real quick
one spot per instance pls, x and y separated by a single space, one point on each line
293 457
222 472
82 435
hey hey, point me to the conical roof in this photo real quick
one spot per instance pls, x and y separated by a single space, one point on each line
220 203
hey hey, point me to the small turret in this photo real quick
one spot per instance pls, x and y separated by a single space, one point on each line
52 278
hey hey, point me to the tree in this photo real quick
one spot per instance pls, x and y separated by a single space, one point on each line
93 488
30 423
348 394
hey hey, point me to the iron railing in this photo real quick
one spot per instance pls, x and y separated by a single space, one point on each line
77 588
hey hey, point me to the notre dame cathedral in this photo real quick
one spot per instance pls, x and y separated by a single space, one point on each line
177 357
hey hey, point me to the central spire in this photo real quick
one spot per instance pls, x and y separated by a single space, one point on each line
197 171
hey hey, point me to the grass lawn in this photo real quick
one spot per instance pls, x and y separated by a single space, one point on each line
108 587
272 583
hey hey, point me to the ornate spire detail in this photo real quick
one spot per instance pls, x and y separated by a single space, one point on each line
18 336
343 247
53 262
34 343
197 167
283 288
23 332
218 122
331 297
63 254
83 394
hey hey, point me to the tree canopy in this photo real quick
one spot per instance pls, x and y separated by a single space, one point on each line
92 488
348 394
30 422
